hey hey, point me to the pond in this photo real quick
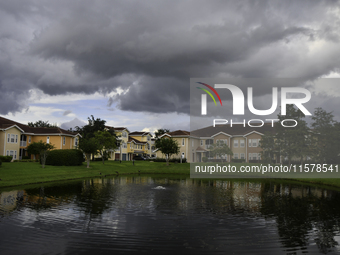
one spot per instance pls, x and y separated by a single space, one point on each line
153 215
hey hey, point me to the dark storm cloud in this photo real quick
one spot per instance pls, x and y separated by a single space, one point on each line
151 49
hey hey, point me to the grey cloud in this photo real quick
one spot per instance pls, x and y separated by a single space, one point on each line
151 49
67 112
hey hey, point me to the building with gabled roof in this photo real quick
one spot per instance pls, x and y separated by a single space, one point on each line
16 137
244 141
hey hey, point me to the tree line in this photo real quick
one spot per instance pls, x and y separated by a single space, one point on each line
319 143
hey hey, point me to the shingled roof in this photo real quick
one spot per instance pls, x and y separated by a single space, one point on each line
5 123
179 133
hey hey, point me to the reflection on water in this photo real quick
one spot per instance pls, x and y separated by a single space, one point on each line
154 214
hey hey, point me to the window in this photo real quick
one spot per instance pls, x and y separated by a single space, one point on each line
13 154
254 144
11 138
259 156
235 143
148 146
29 139
255 156
64 140
124 134
242 143
192 143
235 155
48 140
201 143
250 154
183 142
221 142
249 143
75 141
153 148
149 138
242 156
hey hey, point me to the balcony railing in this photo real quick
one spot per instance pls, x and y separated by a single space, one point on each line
23 143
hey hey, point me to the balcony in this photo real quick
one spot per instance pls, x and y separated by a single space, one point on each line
23 143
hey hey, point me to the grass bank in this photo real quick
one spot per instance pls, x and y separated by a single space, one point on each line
22 173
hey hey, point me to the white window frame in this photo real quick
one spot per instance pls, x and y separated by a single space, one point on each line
242 156
250 143
64 141
12 153
29 139
242 142
48 139
254 143
255 156
235 143
183 141
250 156
235 156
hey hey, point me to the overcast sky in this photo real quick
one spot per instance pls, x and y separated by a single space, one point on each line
130 62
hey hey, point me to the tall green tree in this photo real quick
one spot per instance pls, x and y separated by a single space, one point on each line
269 147
42 149
41 123
106 142
94 125
326 134
88 146
161 131
292 141
220 149
168 146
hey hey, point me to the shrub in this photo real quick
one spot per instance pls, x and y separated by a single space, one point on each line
69 157
26 157
0 162
238 160
205 159
6 158
178 160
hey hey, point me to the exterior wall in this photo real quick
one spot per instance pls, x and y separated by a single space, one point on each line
223 137
2 142
54 140
251 149
8 146
239 150
121 150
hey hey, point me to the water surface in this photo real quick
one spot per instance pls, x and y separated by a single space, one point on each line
144 214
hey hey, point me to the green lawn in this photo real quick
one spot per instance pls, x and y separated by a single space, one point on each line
21 173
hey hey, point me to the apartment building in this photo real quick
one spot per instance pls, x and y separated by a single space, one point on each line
16 137
132 144
243 141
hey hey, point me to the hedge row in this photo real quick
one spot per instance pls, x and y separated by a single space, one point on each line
69 157
184 160
6 158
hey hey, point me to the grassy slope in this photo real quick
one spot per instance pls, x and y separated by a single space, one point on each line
21 173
